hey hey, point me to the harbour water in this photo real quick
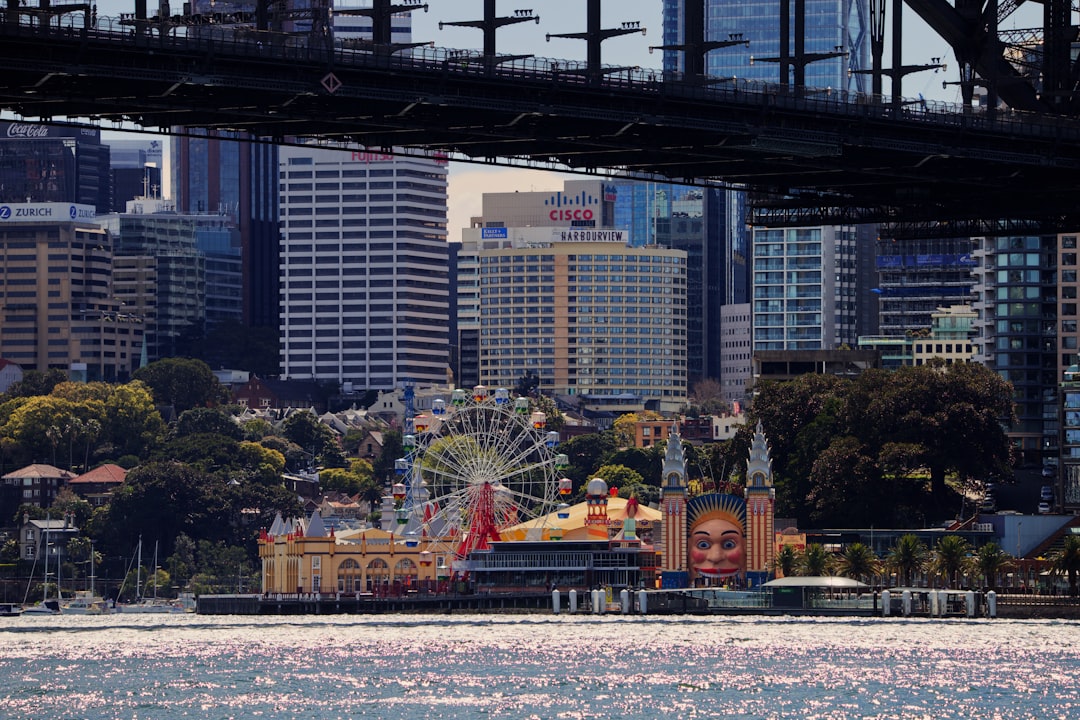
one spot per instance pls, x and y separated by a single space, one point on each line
536 666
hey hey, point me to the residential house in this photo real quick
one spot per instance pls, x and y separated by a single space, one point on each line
98 485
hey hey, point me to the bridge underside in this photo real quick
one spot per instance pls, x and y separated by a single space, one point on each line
808 157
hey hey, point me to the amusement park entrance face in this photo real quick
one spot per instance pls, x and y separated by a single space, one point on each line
717 549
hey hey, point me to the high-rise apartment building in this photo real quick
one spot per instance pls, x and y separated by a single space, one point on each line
58 302
1017 302
364 268
736 351
805 288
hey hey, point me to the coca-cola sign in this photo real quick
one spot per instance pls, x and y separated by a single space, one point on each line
27 130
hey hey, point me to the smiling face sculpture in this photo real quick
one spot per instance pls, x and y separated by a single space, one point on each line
716 524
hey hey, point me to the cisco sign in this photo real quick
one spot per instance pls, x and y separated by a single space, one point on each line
45 212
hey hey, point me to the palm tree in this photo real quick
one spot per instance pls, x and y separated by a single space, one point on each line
1067 561
989 562
907 557
786 561
814 560
859 562
950 555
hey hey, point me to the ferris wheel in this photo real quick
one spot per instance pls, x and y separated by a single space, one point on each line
485 464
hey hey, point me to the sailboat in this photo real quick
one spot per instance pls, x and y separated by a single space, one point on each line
147 605
85 603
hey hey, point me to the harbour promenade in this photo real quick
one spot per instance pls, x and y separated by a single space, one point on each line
916 602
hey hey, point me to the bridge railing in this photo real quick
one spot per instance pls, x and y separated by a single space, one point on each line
243 41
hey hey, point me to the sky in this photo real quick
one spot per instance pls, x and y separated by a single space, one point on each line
468 182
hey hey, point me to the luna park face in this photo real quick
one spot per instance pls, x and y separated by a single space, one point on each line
717 549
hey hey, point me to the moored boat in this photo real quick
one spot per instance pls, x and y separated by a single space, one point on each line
10 610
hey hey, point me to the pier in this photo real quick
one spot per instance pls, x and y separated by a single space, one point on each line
915 603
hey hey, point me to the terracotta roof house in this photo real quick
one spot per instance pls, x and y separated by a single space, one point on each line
37 484
98 485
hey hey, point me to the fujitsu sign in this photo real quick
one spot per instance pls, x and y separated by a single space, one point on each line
27 130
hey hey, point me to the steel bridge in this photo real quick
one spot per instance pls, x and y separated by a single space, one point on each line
806 155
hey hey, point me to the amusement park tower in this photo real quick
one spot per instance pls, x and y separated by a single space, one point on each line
760 502
673 498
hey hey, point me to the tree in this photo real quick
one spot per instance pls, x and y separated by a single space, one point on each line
183 383
908 557
68 504
207 420
950 556
708 396
315 438
256 429
340 480
786 561
132 424
989 562
616 476
587 453
528 385
35 382
383 467
625 425
814 561
858 562
1066 561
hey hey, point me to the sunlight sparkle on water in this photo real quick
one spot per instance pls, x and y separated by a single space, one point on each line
537 666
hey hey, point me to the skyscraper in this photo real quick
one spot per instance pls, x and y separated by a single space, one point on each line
548 287
364 268
52 164
708 224
836 31
236 176
59 309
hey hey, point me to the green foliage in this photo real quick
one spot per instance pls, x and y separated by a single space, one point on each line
586 453
340 480
28 511
256 429
858 562
1066 561
854 452
950 556
203 421
618 476
786 561
907 558
988 564
35 382
182 383
67 503
304 429
383 467
814 561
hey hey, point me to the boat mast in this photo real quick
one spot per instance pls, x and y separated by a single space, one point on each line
138 573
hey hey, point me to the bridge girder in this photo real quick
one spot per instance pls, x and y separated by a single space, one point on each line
798 146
